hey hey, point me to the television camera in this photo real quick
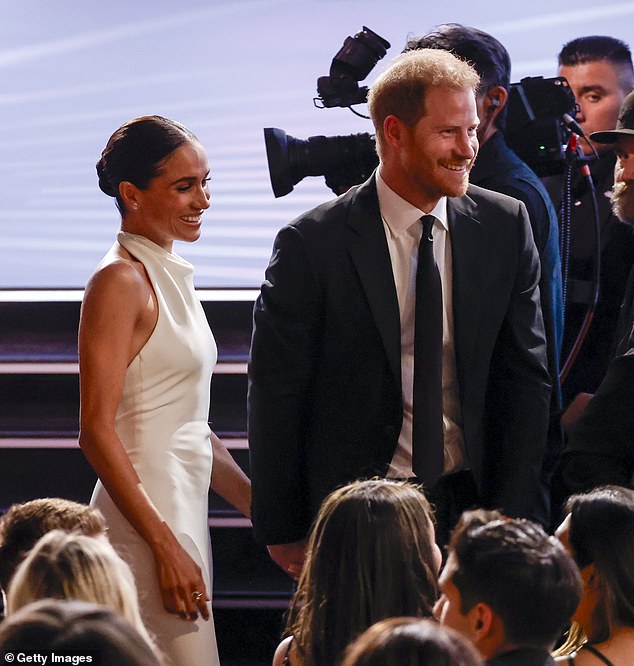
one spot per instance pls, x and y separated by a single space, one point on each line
539 123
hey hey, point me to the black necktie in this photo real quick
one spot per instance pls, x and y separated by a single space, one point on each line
427 435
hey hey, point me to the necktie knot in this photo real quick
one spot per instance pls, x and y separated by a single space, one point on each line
428 223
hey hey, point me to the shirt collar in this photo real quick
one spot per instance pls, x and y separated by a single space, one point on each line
399 214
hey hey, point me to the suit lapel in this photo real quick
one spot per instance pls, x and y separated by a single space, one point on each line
469 260
370 256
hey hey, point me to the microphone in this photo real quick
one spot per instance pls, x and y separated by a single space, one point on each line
573 125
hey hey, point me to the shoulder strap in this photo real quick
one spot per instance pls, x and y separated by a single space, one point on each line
597 654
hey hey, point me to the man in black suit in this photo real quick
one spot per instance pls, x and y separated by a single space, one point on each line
600 449
331 373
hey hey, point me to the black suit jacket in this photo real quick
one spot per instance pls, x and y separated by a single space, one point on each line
324 396
600 448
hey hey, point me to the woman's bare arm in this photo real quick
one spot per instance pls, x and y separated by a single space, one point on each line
228 480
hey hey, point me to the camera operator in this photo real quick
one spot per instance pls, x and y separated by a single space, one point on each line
398 331
498 168
599 71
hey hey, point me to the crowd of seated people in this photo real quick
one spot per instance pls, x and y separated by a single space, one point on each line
26 522
65 588
373 589
65 565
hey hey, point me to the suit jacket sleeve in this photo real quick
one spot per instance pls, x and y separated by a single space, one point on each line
283 351
601 446
517 409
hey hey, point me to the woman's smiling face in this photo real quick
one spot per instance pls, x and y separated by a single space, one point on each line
172 206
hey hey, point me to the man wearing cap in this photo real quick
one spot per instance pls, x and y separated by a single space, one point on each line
601 444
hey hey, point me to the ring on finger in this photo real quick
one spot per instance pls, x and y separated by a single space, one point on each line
197 596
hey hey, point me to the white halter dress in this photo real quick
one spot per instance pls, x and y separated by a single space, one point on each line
162 422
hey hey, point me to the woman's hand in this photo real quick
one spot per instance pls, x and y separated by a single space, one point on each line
180 580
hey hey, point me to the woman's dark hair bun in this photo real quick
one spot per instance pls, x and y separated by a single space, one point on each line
105 185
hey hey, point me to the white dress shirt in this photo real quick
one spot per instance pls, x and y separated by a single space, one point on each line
403 230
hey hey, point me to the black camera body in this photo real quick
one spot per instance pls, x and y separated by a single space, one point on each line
352 63
535 128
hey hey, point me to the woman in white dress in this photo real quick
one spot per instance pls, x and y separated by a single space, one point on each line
146 355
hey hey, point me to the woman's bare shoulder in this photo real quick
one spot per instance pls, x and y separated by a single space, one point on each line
285 653
117 274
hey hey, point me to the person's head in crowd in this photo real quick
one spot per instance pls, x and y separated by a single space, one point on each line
600 73
23 524
598 530
621 140
507 584
82 628
409 641
67 565
411 104
371 555
490 60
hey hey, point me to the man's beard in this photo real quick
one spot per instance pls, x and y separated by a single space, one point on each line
623 201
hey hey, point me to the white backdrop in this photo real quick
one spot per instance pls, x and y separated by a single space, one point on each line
72 71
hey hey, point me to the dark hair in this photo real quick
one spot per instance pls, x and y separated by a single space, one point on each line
23 524
602 533
135 151
600 47
370 556
524 575
593 48
482 51
408 641
76 626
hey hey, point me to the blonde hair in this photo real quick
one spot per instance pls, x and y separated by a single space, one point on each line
65 565
400 89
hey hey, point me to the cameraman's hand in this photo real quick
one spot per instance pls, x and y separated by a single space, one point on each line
575 410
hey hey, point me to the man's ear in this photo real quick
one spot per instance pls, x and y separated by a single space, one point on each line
494 101
393 130
481 618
